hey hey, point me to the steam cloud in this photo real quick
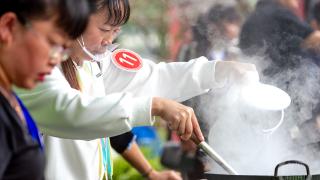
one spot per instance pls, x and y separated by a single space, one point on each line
236 128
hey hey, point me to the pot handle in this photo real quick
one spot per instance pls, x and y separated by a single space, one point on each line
291 162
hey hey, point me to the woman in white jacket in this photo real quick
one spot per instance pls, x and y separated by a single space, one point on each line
110 99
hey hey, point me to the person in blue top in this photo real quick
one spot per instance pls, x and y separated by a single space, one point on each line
33 39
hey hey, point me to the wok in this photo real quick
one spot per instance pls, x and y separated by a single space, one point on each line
308 176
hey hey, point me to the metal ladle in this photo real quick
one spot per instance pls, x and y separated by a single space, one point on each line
213 155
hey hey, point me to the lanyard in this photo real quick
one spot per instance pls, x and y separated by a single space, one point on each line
32 127
105 143
106 156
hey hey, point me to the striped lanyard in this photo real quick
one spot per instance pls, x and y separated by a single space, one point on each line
32 127
88 88
106 157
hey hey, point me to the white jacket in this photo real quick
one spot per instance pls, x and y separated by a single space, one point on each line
77 159
64 112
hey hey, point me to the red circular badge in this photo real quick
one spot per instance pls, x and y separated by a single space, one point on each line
127 60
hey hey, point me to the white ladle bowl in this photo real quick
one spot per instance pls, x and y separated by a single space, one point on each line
264 96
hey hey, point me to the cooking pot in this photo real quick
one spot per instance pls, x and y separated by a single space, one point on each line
307 176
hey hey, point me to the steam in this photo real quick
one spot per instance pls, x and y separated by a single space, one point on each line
237 129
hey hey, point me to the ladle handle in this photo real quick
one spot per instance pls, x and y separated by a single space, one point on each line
195 139
213 155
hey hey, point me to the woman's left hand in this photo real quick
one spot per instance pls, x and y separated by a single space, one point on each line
164 175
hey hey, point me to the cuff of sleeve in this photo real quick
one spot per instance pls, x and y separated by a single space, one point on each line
132 141
209 72
141 114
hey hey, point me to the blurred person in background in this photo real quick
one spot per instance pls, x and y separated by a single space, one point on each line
274 30
310 129
215 35
289 47
34 35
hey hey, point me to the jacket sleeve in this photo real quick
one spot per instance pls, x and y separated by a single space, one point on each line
177 80
62 111
121 142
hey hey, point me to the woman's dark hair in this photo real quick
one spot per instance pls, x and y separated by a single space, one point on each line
118 13
220 13
200 36
71 15
217 15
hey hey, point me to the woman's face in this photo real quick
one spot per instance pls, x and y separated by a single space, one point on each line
231 30
97 36
26 51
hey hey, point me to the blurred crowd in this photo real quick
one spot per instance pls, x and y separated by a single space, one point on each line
280 36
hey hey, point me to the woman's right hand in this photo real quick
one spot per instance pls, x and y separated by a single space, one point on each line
179 117
234 71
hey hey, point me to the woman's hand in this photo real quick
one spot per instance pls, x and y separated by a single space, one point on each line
179 117
164 175
233 71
